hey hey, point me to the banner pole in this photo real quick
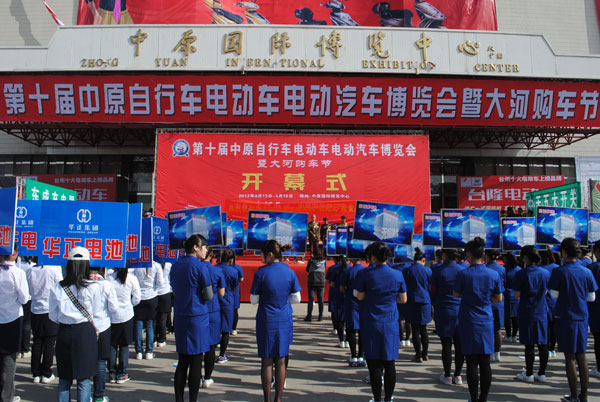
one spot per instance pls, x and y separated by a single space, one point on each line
154 171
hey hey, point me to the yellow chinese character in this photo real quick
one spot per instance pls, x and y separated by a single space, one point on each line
469 48
332 44
137 39
233 42
423 44
376 45
185 44
251 178
294 181
280 42
334 179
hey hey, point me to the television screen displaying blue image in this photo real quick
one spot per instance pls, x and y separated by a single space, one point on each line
356 248
234 234
554 224
517 232
341 240
594 228
390 223
432 230
288 228
460 226
205 221
330 249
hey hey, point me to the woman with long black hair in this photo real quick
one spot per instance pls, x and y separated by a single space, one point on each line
380 287
275 288
192 289
478 287
227 300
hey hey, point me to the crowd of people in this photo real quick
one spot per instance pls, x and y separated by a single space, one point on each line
87 317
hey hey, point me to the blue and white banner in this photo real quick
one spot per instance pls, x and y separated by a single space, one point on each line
390 223
460 226
594 227
285 227
234 234
97 226
331 240
432 230
27 227
341 240
555 224
160 241
8 207
517 233
356 248
205 221
146 253
134 231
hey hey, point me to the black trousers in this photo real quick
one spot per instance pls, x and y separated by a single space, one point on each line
42 355
320 291
479 371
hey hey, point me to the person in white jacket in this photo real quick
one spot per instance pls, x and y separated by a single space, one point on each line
129 295
164 305
151 279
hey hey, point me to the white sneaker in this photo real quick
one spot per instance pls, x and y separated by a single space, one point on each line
154 343
514 339
161 344
334 332
207 383
522 376
457 380
150 356
48 380
552 353
497 357
492 357
16 399
346 344
353 361
539 378
139 356
234 332
38 379
593 373
341 344
445 380
407 342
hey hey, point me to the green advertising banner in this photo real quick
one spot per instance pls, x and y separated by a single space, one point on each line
567 196
35 190
595 195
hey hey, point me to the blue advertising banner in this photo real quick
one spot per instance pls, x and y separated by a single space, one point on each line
390 223
134 231
145 260
517 233
432 229
406 254
341 240
205 221
330 249
594 228
8 207
27 227
97 226
234 234
160 241
285 227
555 224
223 225
356 248
460 226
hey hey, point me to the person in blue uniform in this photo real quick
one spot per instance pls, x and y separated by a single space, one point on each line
230 274
417 277
217 282
530 286
403 320
511 303
573 286
491 257
594 310
478 287
446 315
380 288
192 290
331 297
275 288
338 302
549 263
237 298
351 316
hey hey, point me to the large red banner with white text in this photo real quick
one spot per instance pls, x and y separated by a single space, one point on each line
500 192
303 173
298 99
452 14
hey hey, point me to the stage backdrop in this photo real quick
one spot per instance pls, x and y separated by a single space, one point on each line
291 173
453 14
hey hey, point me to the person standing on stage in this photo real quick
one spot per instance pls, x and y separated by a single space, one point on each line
478 287
14 293
325 227
275 288
192 290
417 277
491 257
530 287
343 223
573 286
446 315
380 287
314 232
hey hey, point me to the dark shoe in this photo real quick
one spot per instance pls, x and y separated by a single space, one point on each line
425 358
418 359
568 398
308 318
320 318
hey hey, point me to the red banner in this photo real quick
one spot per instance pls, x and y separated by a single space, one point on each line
501 192
306 172
89 187
297 99
452 14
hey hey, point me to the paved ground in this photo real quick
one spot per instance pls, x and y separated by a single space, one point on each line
317 372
